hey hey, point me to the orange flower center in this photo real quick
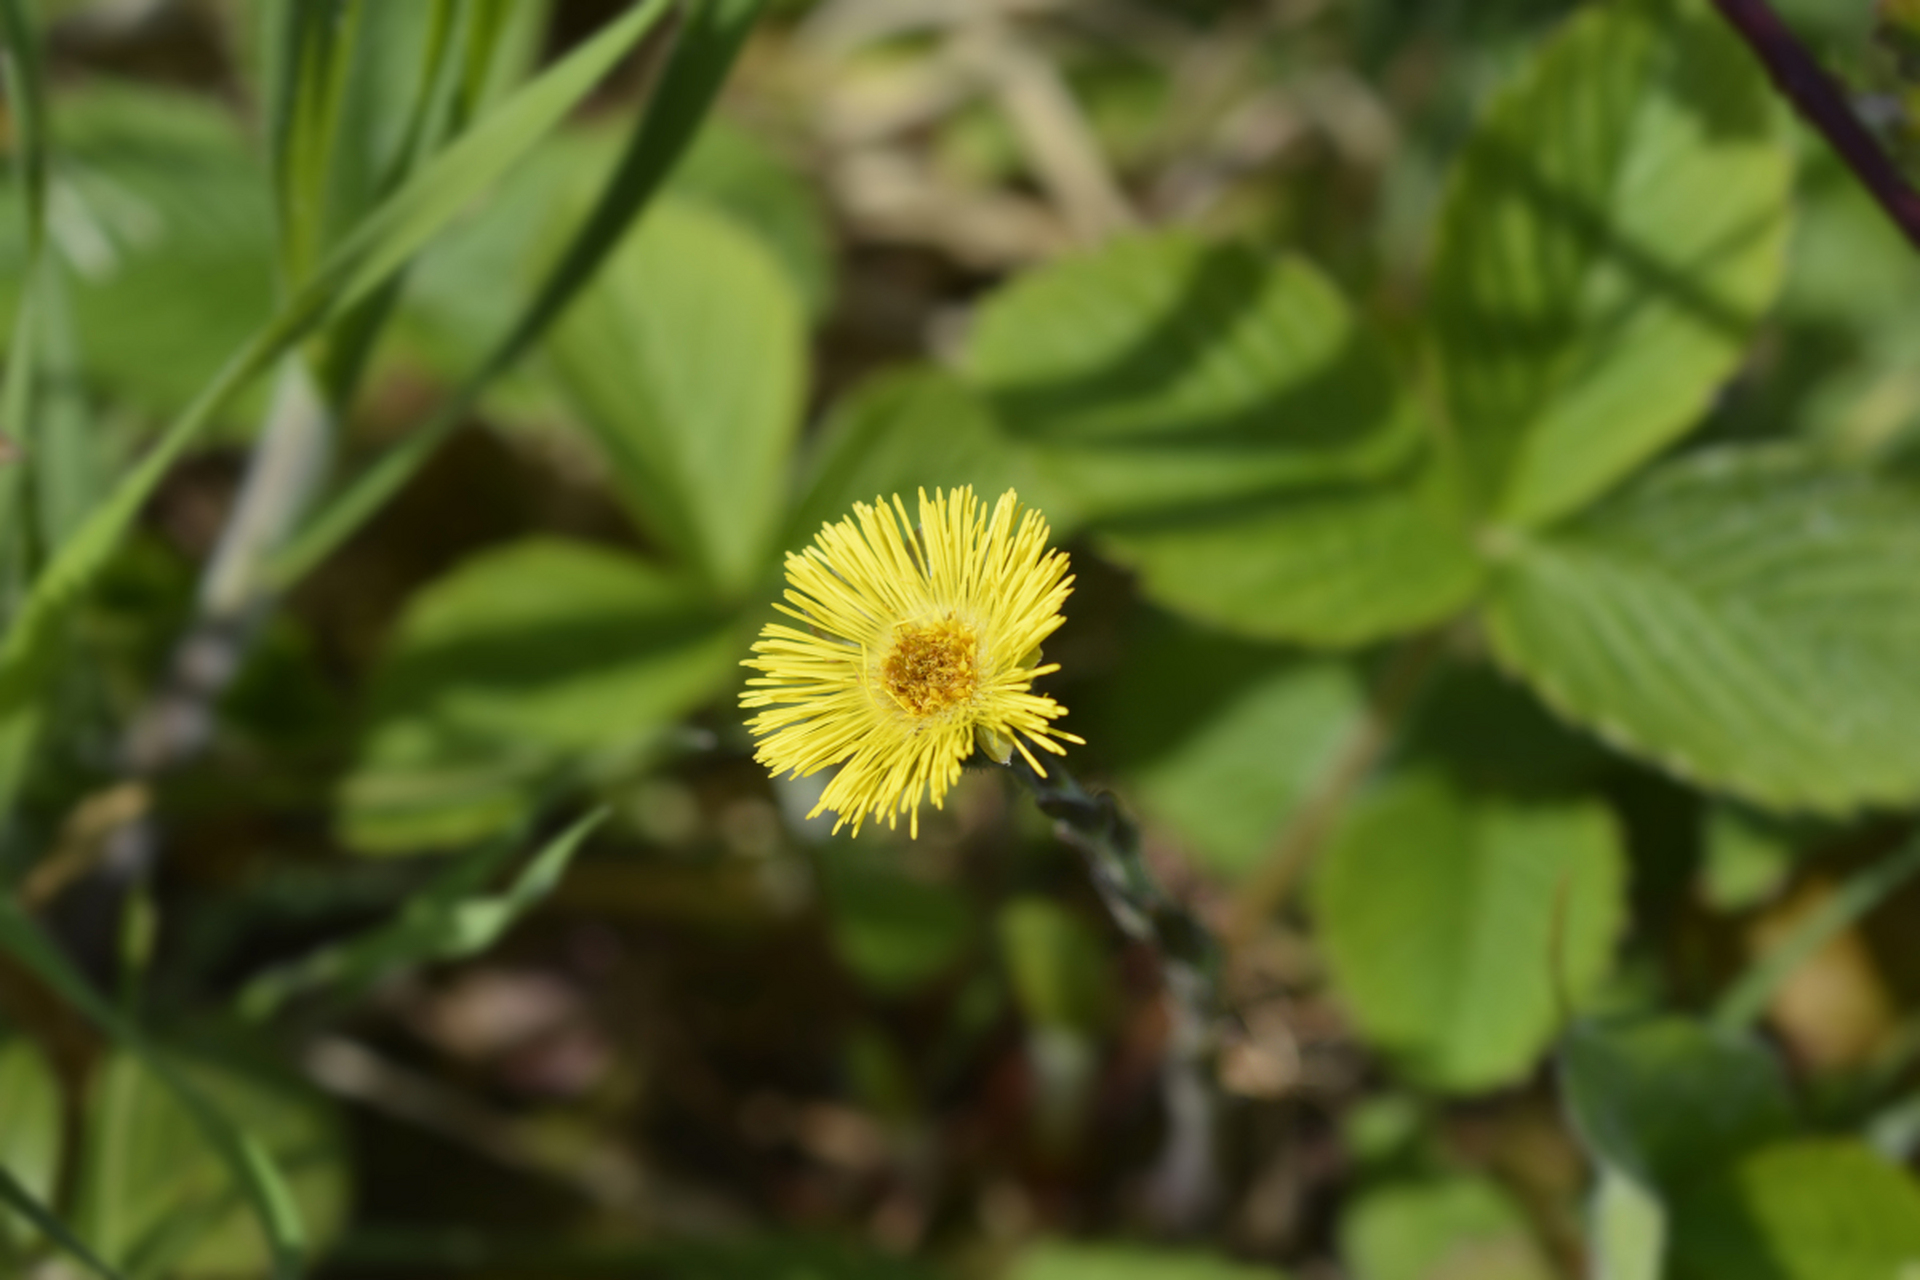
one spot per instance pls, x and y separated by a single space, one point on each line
933 668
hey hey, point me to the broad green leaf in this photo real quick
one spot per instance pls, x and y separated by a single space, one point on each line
1665 1098
1609 240
1655 1101
1161 372
1061 1260
1455 925
29 1129
155 1198
894 931
1058 968
450 920
1740 617
1452 1228
523 658
1220 738
687 357
897 432
1805 1210
1339 566
736 173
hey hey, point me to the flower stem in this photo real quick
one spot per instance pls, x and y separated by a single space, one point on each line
1184 1186
1822 104
1092 823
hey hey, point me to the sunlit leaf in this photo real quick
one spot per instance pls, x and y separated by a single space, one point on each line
1806 1210
1060 1260
1162 372
895 433
1439 1229
1334 567
687 357
1742 618
1610 239
522 659
1458 927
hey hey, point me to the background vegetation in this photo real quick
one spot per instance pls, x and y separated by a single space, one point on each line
1488 438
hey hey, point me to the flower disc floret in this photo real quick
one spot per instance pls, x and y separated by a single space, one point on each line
921 644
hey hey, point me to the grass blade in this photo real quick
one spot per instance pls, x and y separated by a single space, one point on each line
364 260
448 921
1859 894
21 1201
253 1169
703 54
20 58
27 96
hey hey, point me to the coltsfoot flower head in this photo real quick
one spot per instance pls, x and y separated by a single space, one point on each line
922 643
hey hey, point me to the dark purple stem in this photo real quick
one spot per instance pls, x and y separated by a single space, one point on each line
1821 102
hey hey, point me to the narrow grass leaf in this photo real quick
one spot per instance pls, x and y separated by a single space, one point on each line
22 1202
253 1169
26 98
362 262
1866 889
703 54
449 921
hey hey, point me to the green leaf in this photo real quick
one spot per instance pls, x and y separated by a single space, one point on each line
1656 1101
1741 617
29 1132
1805 1210
1338 567
449 920
1609 240
1163 372
249 1165
1219 738
1663 1098
1060 1260
1455 925
158 1199
899 431
523 658
1453 1228
687 356
732 170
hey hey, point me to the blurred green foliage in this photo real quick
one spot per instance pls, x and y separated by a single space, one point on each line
1488 440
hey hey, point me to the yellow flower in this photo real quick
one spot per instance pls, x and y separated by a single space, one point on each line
923 644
